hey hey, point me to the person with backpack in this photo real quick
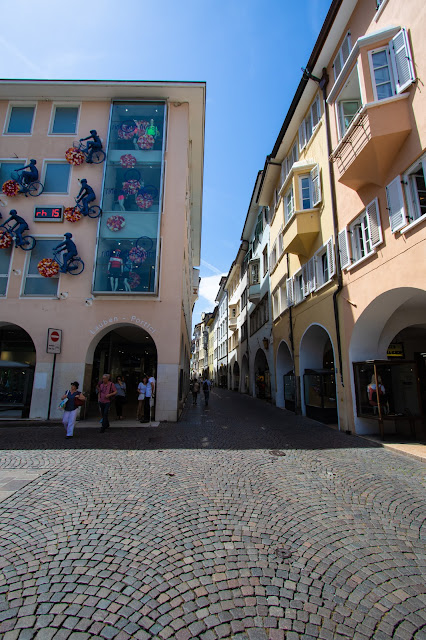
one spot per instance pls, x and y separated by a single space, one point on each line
195 390
206 390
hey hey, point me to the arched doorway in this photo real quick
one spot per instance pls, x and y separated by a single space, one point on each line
245 375
286 380
236 372
262 376
390 334
17 365
128 351
318 396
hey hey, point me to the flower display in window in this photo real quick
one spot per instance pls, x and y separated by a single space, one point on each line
144 200
72 214
48 268
5 239
128 161
146 142
134 280
11 188
115 223
126 135
137 256
74 156
131 187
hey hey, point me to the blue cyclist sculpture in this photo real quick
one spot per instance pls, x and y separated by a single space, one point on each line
70 251
18 226
25 178
86 195
94 145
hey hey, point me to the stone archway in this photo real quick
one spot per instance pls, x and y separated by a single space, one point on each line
17 368
396 314
262 375
317 375
284 366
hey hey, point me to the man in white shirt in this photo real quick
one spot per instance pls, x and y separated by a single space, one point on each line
151 381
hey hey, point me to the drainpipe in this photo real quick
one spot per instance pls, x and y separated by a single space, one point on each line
322 82
291 336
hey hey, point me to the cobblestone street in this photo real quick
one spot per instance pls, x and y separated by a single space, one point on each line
242 521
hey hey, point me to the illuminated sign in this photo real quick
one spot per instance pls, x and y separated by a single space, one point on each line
48 214
395 350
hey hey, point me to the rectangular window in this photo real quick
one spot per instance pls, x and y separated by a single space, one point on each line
5 255
298 289
415 190
324 264
382 79
254 272
342 55
288 205
6 169
265 261
305 192
392 69
365 233
347 111
35 284
65 120
276 304
132 200
56 177
280 242
21 120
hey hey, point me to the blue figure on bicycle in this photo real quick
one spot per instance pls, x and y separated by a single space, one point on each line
25 178
85 196
18 227
71 251
94 145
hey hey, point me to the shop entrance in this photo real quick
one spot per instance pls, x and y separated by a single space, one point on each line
128 352
236 376
17 364
286 381
262 376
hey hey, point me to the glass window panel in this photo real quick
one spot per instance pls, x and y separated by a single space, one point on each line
305 192
56 177
65 120
5 261
46 287
21 120
6 169
35 284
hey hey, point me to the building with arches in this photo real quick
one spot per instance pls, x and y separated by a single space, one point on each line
129 311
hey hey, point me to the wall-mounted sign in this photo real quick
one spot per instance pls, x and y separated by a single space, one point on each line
395 350
48 214
54 340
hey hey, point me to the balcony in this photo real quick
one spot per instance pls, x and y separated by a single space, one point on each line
301 231
254 292
366 152
232 322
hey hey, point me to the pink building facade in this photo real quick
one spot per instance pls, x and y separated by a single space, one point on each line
129 311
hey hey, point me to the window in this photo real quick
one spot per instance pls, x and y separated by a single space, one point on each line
273 257
265 260
21 120
244 331
324 264
35 284
280 242
305 192
392 69
259 316
415 190
5 255
365 234
57 177
310 189
65 120
6 169
288 205
310 123
342 55
244 299
347 111
288 162
279 300
276 304
254 272
298 288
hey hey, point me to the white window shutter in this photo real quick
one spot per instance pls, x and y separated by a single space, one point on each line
316 185
290 293
396 209
337 65
305 280
373 217
302 136
311 274
345 258
402 61
316 111
330 258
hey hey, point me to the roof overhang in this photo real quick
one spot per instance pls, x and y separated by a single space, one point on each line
193 93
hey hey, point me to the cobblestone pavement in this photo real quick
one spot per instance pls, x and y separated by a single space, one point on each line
242 521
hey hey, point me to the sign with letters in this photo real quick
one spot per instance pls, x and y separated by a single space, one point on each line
54 340
48 214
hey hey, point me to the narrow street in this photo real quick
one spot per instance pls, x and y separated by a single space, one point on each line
242 521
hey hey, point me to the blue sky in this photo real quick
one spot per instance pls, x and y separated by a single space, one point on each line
249 53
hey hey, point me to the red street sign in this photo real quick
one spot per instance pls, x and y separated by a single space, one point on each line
54 340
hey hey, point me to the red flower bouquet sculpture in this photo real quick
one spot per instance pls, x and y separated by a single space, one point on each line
5 239
146 142
115 223
74 156
71 214
48 268
131 187
144 200
137 256
134 280
128 161
11 188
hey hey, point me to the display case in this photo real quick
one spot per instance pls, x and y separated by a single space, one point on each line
388 391
320 395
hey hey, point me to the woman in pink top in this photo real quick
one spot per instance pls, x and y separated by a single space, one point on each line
106 390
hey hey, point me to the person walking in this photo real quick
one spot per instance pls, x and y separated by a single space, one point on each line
147 401
70 413
105 390
206 391
153 384
195 390
120 398
141 398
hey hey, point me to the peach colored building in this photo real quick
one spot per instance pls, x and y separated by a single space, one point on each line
130 310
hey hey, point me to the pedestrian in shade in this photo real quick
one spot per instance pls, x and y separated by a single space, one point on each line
195 390
120 398
105 390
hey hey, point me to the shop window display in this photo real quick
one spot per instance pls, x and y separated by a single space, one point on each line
131 201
